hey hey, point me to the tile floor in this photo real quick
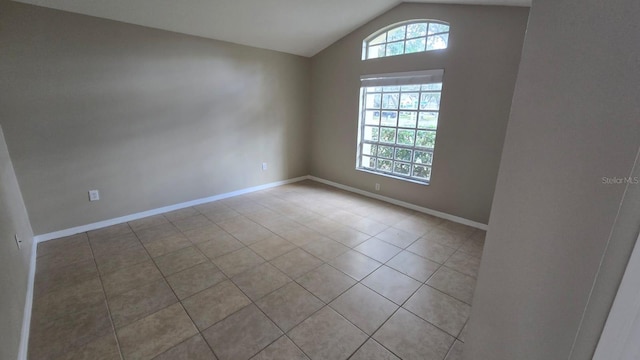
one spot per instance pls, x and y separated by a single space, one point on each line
302 271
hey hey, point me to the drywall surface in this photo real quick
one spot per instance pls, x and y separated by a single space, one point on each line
558 209
480 67
148 117
14 262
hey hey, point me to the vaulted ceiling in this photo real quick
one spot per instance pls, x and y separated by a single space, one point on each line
301 27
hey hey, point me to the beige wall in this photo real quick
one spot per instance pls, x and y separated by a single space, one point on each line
14 262
575 119
480 65
148 117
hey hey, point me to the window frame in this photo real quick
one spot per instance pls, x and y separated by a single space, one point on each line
366 42
398 79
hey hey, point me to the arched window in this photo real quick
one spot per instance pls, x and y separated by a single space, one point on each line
405 38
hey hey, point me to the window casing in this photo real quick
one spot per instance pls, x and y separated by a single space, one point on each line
406 38
398 124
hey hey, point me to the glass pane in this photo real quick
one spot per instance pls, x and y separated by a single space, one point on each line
371 133
390 88
385 152
369 149
389 118
368 162
384 165
437 28
415 45
425 138
396 34
401 168
428 120
434 86
379 39
416 30
430 101
423 157
390 101
407 119
395 48
376 51
373 101
388 135
422 172
409 101
435 42
403 154
372 117
410 87
406 137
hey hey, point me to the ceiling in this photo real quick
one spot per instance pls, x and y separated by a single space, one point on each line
300 27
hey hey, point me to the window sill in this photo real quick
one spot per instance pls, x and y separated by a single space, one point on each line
426 183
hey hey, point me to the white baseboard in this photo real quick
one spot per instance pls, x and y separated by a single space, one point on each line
119 220
28 305
404 204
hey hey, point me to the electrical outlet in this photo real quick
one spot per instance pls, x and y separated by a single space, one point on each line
264 166
18 241
94 195
377 187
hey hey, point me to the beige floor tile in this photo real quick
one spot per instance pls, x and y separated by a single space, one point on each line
123 280
455 353
369 227
378 250
167 244
220 214
325 248
67 255
355 264
110 232
103 348
372 350
181 213
280 225
58 247
215 303
441 310
397 237
391 284
192 222
327 335
301 236
236 224
296 263
67 333
272 247
325 226
180 260
445 237
106 246
62 277
67 300
260 281
413 265
122 259
463 334
140 302
156 333
263 215
220 245
242 335
289 305
412 338
204 233
281 349
252 234
147 222
415 225
194 348
238 261
349 237
473 246
432 251
190 281
463 230
456 284
156 232
326 282
364 308
464 263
